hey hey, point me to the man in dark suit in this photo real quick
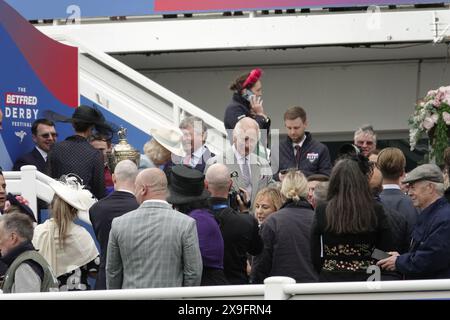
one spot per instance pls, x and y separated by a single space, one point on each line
240 231
299 150
392 162
121 201
195 133
44 136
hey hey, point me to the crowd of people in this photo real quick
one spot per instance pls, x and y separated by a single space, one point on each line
187 217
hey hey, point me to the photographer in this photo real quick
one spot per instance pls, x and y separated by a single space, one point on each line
239 231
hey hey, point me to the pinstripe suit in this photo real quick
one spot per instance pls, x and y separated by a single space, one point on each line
153 246
261 171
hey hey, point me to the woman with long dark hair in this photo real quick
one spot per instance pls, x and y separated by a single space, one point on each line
348 227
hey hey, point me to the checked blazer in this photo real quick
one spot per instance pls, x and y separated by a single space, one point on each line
153 246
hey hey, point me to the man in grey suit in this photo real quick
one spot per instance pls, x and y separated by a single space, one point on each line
153 246
249 171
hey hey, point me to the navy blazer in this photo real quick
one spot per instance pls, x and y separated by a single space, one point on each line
32 158
314 157
101 215
397 200
429 255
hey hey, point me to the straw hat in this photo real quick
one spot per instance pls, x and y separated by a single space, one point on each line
169 138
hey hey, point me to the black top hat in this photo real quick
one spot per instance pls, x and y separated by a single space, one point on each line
22 207
186 185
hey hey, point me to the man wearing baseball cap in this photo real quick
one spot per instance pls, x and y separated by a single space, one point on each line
429 253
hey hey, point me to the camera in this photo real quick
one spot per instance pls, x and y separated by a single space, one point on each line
232 199
232 195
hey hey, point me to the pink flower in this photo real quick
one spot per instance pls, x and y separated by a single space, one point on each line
446 117
440 95
431 93
428 123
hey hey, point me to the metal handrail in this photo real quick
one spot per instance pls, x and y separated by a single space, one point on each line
33 185
178 103
274 288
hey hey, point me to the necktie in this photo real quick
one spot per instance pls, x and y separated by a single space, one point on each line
187 160
246 176
297 155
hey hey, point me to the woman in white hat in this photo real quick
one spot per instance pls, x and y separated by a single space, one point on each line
158 151
68 247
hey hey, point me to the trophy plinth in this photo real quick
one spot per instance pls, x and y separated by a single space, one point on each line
122 151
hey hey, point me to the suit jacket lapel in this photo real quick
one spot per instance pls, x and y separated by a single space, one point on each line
256 174
40 161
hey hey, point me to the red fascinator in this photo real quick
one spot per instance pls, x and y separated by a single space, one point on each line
254 76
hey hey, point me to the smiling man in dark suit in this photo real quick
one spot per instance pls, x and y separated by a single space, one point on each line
44 136
121 201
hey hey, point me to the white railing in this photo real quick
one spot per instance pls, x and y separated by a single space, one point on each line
274 288
153 100
33 185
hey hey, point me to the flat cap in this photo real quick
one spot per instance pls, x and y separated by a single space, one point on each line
429 172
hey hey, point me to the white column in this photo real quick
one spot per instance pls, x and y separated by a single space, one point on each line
273 289
28 186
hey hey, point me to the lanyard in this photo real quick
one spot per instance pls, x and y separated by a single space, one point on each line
219 206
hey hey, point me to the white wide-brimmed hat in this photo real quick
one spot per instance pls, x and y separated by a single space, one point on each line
169 138
72 191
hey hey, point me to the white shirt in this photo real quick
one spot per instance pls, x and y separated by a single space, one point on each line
197 155
241 160
125 190
391 186
42 152
156 200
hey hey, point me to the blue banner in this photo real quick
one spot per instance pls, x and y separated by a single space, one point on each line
72 9
37 74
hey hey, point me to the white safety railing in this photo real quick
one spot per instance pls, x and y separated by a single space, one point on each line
134 97
274 288
33 185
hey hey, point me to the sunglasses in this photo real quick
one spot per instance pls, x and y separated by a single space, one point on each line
47 135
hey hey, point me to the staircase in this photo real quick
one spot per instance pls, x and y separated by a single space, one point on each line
135 98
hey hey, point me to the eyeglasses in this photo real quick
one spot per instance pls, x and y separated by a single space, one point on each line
47 135
285 171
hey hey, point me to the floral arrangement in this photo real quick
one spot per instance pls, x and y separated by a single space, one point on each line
432 115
